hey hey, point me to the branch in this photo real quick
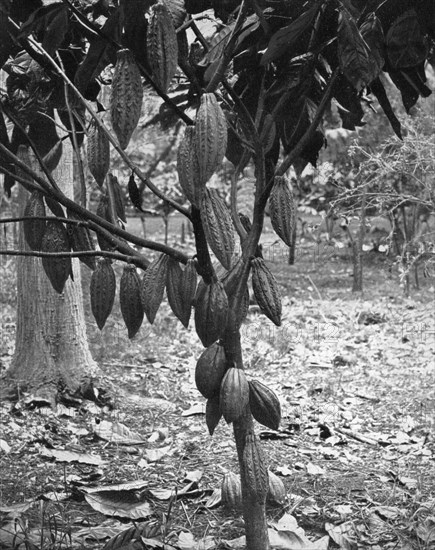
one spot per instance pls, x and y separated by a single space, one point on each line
97 224
112 140
85 253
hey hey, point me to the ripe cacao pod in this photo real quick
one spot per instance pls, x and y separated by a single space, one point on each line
58 270
126 97
81 240
153 286
118 198
266 291
180 289
188 168
98 153
212 414
34 229
254 464
264 404
283 209
231 490
211 311
218 226
210 369
276 493
130 300
102 291
162 46
234 394
210 136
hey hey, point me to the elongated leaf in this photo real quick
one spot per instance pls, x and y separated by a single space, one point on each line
284 39
406 44
378 90
217 46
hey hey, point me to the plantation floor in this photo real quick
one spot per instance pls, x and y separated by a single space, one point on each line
356 447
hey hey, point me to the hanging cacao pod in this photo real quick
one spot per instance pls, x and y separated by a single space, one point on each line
283 209
254 464
130 300
180 289
210 369
34 229
213 414
210 136
231 490
98 151
81 240
188 168
58 270
103 210
118 198
276 493
218 226
162 46
266 291
264 404
126 97
102 291
153 286
211 311
234 394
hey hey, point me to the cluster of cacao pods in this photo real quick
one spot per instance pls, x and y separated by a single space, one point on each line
229 393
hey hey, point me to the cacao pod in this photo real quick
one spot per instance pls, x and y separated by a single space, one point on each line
256 474
283 209
211 311
98 153
210 136
102 291
34 229
118 198
266 291
276 493
153 286
231 490
180 289
264 404
212 414
210 369
103 210
234 394
81 240
126 97
162 46
58 270
188 168
130 300
218 226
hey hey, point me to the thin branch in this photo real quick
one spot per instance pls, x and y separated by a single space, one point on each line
82 254
112 140
97 224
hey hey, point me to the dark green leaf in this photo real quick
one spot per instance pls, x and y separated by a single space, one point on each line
134 193
217 45
406 44
55 30
286 37
378 90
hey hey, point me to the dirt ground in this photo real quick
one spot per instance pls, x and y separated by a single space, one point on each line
355 376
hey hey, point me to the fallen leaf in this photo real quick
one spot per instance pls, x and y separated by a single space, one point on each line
284 471
154 455
196 408
72 456
4 446
314 470
122 504
116 432
342 535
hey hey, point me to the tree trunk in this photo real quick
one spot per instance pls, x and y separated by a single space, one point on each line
51 346
357 248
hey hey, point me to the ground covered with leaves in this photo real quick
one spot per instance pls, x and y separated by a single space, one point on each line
356 449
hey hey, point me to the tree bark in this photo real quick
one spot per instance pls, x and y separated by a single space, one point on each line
51 345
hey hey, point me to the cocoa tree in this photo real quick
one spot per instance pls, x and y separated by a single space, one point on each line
254 91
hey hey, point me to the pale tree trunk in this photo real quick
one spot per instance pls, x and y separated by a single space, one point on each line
51 348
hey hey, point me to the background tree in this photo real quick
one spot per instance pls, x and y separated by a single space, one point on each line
256 91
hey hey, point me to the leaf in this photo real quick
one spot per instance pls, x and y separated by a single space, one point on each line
342 535
378 90
314 470
154 455
123 504
100 54
196 408
52 158
72 456
286 37
406 44
115 432
55 29
4 447
134 193
355 57
217 45
122 539
372 32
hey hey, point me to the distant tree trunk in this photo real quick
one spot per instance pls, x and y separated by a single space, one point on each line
292 249
357 246
51 346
